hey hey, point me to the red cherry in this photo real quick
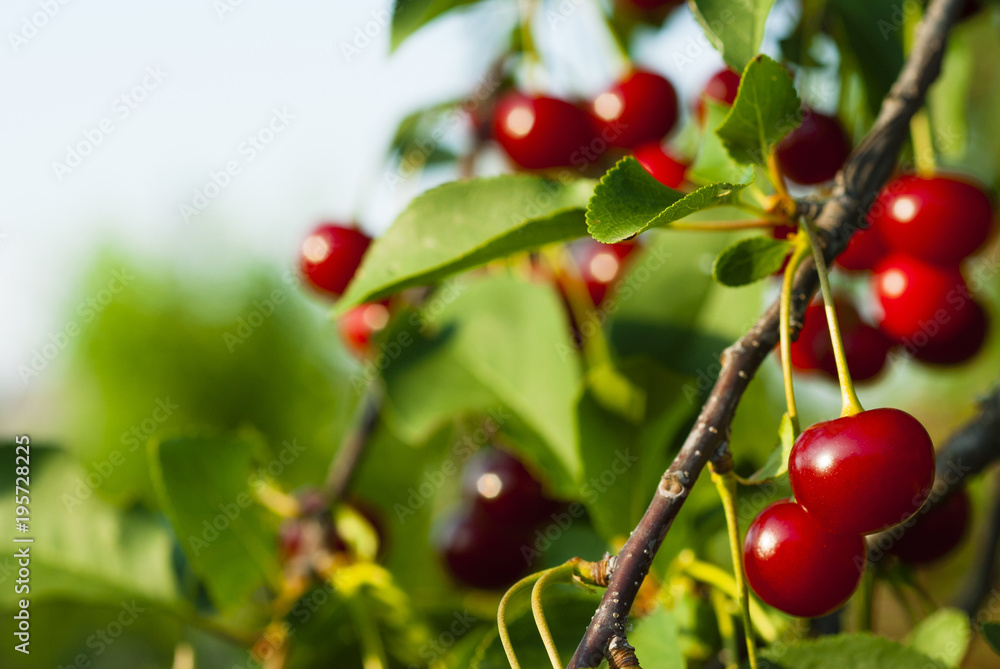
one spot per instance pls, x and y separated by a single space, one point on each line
504 490
864 250
667 170
865 347
540 132
601 265
920 301
861 474
936 532
479 553
813 152
359 324
722 87
640 108
795 565
938 220
331 255
959 348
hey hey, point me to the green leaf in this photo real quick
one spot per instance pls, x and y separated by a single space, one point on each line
628 200
655 640
408 16
464 224
499 343
944 635
735 29
84 549
204 484
713 163
749 260
873 33
991 632
857 651
766 109
777 462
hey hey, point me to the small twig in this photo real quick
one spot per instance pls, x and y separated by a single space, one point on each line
349 455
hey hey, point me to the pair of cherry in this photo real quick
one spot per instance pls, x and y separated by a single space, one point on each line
482 542
330 257
920 229
540 132
852 476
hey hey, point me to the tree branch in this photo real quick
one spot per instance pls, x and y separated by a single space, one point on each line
349 455
856 186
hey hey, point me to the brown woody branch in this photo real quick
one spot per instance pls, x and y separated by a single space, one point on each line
857 184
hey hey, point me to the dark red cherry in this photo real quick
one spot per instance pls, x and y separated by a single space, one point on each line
722 87
936 532
479 553
504 489
640 108
541 132
359 324
958 348
665 168
864 250
939 220
861 474
331 255
814 151
795 565
602 265
921 301
865 347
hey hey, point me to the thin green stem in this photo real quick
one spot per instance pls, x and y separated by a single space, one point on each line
900 595
726 628
508 648
560 574
726 485
802 248
923 143
851 403
866 603
721 580
712 226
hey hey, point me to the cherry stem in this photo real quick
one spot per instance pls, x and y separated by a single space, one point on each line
726 485
802 248
920 124
508 648
777 178
851 403
726 629
721 580
561 574
923 143
710 226
866 602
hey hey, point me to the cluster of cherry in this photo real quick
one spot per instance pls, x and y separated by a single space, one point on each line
851 476
920 229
